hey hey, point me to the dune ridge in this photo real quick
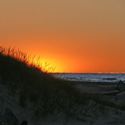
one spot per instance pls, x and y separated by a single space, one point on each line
29 94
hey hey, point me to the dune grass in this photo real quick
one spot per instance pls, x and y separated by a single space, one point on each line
37 87
46 93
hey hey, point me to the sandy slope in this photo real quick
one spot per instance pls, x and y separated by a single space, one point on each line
94 113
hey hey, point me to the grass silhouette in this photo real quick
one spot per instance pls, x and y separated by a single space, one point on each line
49 94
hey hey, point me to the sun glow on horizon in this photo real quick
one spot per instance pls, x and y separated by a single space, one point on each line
76 36
48 65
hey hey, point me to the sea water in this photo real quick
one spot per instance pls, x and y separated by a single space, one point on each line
95 77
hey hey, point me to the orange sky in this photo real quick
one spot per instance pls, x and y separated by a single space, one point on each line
71 35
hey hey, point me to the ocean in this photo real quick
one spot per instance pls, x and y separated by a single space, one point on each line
95 77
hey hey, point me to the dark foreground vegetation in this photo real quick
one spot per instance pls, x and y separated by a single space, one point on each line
46 94
35 86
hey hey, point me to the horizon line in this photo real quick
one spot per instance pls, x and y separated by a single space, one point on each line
86 72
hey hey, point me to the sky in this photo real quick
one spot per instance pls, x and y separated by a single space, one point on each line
71 35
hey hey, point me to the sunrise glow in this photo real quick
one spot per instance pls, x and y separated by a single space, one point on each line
49 65
84 37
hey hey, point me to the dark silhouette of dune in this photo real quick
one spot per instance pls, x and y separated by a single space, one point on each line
34 86
30 94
